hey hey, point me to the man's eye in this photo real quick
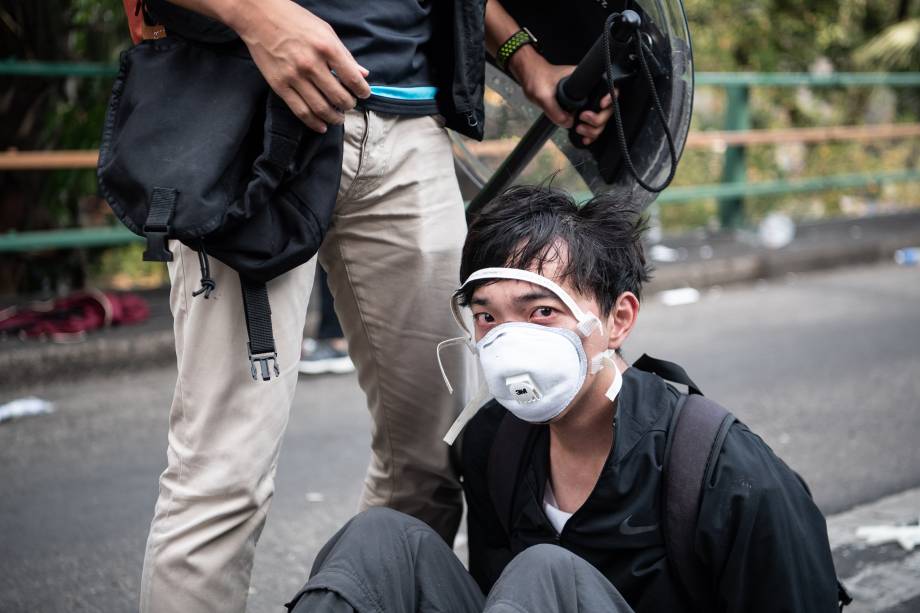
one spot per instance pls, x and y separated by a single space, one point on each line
483 318
544 312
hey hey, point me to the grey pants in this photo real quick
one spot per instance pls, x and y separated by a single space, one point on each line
383 561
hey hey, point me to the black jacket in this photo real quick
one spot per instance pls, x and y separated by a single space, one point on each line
760 536
457 53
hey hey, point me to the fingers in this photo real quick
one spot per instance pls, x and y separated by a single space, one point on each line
557 115
350 73
303 112
592 123
600 117
588 133
539 82
312 108
324 96
306 63
551 106
333 90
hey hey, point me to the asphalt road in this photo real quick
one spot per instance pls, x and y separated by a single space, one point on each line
825 366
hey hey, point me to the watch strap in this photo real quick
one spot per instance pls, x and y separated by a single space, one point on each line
510 47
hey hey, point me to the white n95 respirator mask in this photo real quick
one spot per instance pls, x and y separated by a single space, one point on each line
533 371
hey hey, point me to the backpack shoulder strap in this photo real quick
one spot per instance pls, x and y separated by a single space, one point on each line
695 436
506 460
666 370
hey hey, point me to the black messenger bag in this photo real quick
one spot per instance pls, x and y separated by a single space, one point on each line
196 147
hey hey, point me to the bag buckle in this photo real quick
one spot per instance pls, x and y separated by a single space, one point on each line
263 359
157 245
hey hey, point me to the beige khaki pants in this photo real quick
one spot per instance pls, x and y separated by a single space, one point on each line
392 255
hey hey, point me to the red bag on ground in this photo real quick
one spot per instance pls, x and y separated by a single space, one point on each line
68 319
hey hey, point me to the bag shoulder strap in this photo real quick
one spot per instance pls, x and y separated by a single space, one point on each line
667 370
258 314
506 460
695 437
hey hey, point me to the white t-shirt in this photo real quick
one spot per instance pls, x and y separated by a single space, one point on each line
556 516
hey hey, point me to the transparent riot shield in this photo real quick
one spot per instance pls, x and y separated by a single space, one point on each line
654 95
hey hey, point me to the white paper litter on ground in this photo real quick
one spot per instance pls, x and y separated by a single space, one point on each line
776 231
907 537
23 407
677 297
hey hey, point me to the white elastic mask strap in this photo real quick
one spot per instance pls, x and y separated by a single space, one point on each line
587 322
587 326
468 412
598 363
447 343
614 390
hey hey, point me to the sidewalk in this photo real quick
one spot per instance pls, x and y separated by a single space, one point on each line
722 258
28 363
704 260
883 577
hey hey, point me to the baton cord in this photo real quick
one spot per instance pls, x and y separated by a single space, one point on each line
618 120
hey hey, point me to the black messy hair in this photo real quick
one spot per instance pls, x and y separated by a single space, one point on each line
526 226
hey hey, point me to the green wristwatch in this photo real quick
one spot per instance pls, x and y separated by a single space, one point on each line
509 47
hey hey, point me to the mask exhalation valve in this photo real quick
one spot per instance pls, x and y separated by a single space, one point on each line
523 389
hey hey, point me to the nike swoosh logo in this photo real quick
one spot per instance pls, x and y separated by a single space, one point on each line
627 530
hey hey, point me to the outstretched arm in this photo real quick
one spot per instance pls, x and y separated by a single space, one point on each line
297 53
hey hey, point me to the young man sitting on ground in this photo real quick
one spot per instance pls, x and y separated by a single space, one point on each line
567 514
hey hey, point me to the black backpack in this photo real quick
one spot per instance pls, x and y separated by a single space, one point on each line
696 433
196 147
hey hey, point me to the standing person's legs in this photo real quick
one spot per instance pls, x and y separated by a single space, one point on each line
383 560
393 256
225 433
551 579
329 326
326 351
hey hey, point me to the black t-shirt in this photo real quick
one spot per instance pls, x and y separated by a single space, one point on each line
760 536
390 39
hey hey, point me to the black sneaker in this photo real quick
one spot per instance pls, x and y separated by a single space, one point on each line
319 357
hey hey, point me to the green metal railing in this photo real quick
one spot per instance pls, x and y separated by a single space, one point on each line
16 68
730 192
779 188
68 238
737 117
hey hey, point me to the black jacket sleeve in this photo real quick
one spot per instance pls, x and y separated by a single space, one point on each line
489 547
761 534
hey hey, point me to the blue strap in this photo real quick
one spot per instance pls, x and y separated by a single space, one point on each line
404 93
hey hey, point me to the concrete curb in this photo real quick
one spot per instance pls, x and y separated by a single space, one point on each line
42 363
891 510
818 246
879 577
